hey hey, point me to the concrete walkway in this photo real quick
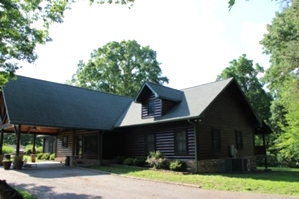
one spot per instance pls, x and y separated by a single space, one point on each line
56 181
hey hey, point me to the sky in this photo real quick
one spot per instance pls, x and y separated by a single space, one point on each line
194 39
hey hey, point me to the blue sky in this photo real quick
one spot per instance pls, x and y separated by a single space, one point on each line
194 40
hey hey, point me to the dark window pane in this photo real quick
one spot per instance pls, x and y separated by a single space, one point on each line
64 141
180 142
239 140
150 142
216 140
151 107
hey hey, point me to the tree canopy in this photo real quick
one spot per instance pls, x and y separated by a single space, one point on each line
282 44
247 77
24 25
119 68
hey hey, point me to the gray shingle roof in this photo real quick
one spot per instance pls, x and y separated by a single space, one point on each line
36 102
161 92
195 100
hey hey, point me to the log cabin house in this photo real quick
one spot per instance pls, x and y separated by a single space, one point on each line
202 125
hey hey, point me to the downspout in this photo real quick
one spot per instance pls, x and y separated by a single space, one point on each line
194 123
101 152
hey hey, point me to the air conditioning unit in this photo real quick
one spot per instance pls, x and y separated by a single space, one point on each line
239 164
230 165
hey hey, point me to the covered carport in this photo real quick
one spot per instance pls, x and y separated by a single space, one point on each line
37 107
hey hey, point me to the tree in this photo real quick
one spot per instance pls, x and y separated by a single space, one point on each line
20 32
119 68
282 44
246 75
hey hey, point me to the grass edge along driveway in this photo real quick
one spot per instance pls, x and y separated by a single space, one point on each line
280 181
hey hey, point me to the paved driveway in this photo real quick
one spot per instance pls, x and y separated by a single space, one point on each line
77 183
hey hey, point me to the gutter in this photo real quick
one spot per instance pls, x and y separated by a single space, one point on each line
194 123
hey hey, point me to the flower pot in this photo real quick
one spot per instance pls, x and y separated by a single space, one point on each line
6 164
18 162
33 157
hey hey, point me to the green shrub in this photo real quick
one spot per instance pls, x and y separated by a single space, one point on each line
39 149
45 156
177 165
119 159
39 156
7 149
29 149
26 195
140 161
157 160
128 161
52 156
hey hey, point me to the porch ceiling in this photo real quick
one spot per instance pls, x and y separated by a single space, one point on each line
41 130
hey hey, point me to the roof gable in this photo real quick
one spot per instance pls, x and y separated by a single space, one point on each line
37 102
160 91
194 102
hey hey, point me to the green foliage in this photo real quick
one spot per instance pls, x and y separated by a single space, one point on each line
25 25
282 44
39 156
119 159
29 149
19 37
52 156
157 160
26 139
128 161
7 149
177 165
119 68
26 194
45 156
140 161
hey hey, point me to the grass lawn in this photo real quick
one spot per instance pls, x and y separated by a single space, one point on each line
281 181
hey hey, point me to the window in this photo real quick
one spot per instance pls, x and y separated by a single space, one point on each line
150 142
216 140
239 140
180 142
90 144
151 107
64 142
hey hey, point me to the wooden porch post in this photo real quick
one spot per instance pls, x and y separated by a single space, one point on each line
264 143
74 144
18 135
34 140
1 140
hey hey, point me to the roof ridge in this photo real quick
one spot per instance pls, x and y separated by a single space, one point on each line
217 81
161 85
75 87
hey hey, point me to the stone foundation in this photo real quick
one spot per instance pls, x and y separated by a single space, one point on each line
217 165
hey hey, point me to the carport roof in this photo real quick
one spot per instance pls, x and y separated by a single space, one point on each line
36 102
